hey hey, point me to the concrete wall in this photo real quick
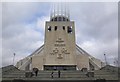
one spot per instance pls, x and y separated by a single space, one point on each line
59 45
82 62
37 62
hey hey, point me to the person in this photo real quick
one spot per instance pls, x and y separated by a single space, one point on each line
35 70
52 74
59 74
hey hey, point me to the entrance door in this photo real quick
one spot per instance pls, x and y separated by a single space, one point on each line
60 67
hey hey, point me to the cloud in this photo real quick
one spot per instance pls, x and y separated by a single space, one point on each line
14 12
23 29
95 19
22 39
24 24
97 28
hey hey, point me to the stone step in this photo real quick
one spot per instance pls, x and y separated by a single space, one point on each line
77 76
48 75
102 72
105 75
14 76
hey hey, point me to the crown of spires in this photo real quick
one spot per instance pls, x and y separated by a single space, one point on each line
59 10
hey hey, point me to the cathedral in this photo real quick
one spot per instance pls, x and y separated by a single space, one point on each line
60 51
60 59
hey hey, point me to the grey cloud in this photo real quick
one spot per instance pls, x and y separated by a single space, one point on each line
19 35
92 20
97 23
14 12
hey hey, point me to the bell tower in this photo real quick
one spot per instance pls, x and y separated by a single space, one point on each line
60 47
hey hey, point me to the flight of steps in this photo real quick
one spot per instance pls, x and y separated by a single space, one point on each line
107 74
46 75
63 74
11 73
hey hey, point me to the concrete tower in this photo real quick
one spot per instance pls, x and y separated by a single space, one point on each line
60 47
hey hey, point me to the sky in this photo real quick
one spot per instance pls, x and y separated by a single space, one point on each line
23 24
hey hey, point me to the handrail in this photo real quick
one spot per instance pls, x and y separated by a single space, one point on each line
95 63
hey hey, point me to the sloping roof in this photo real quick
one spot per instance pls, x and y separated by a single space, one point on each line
42 47
37 51
8 69
111 68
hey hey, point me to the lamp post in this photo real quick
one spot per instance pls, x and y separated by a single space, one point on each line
105 59
13 58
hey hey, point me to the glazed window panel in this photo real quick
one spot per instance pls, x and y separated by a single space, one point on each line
55 19
63 19
69 29
59 19
55 28
63 27
49 28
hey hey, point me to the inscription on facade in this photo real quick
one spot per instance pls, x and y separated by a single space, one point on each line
60 56
59 43
60 50
59 40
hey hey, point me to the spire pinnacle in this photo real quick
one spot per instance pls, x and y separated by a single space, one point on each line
61 11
